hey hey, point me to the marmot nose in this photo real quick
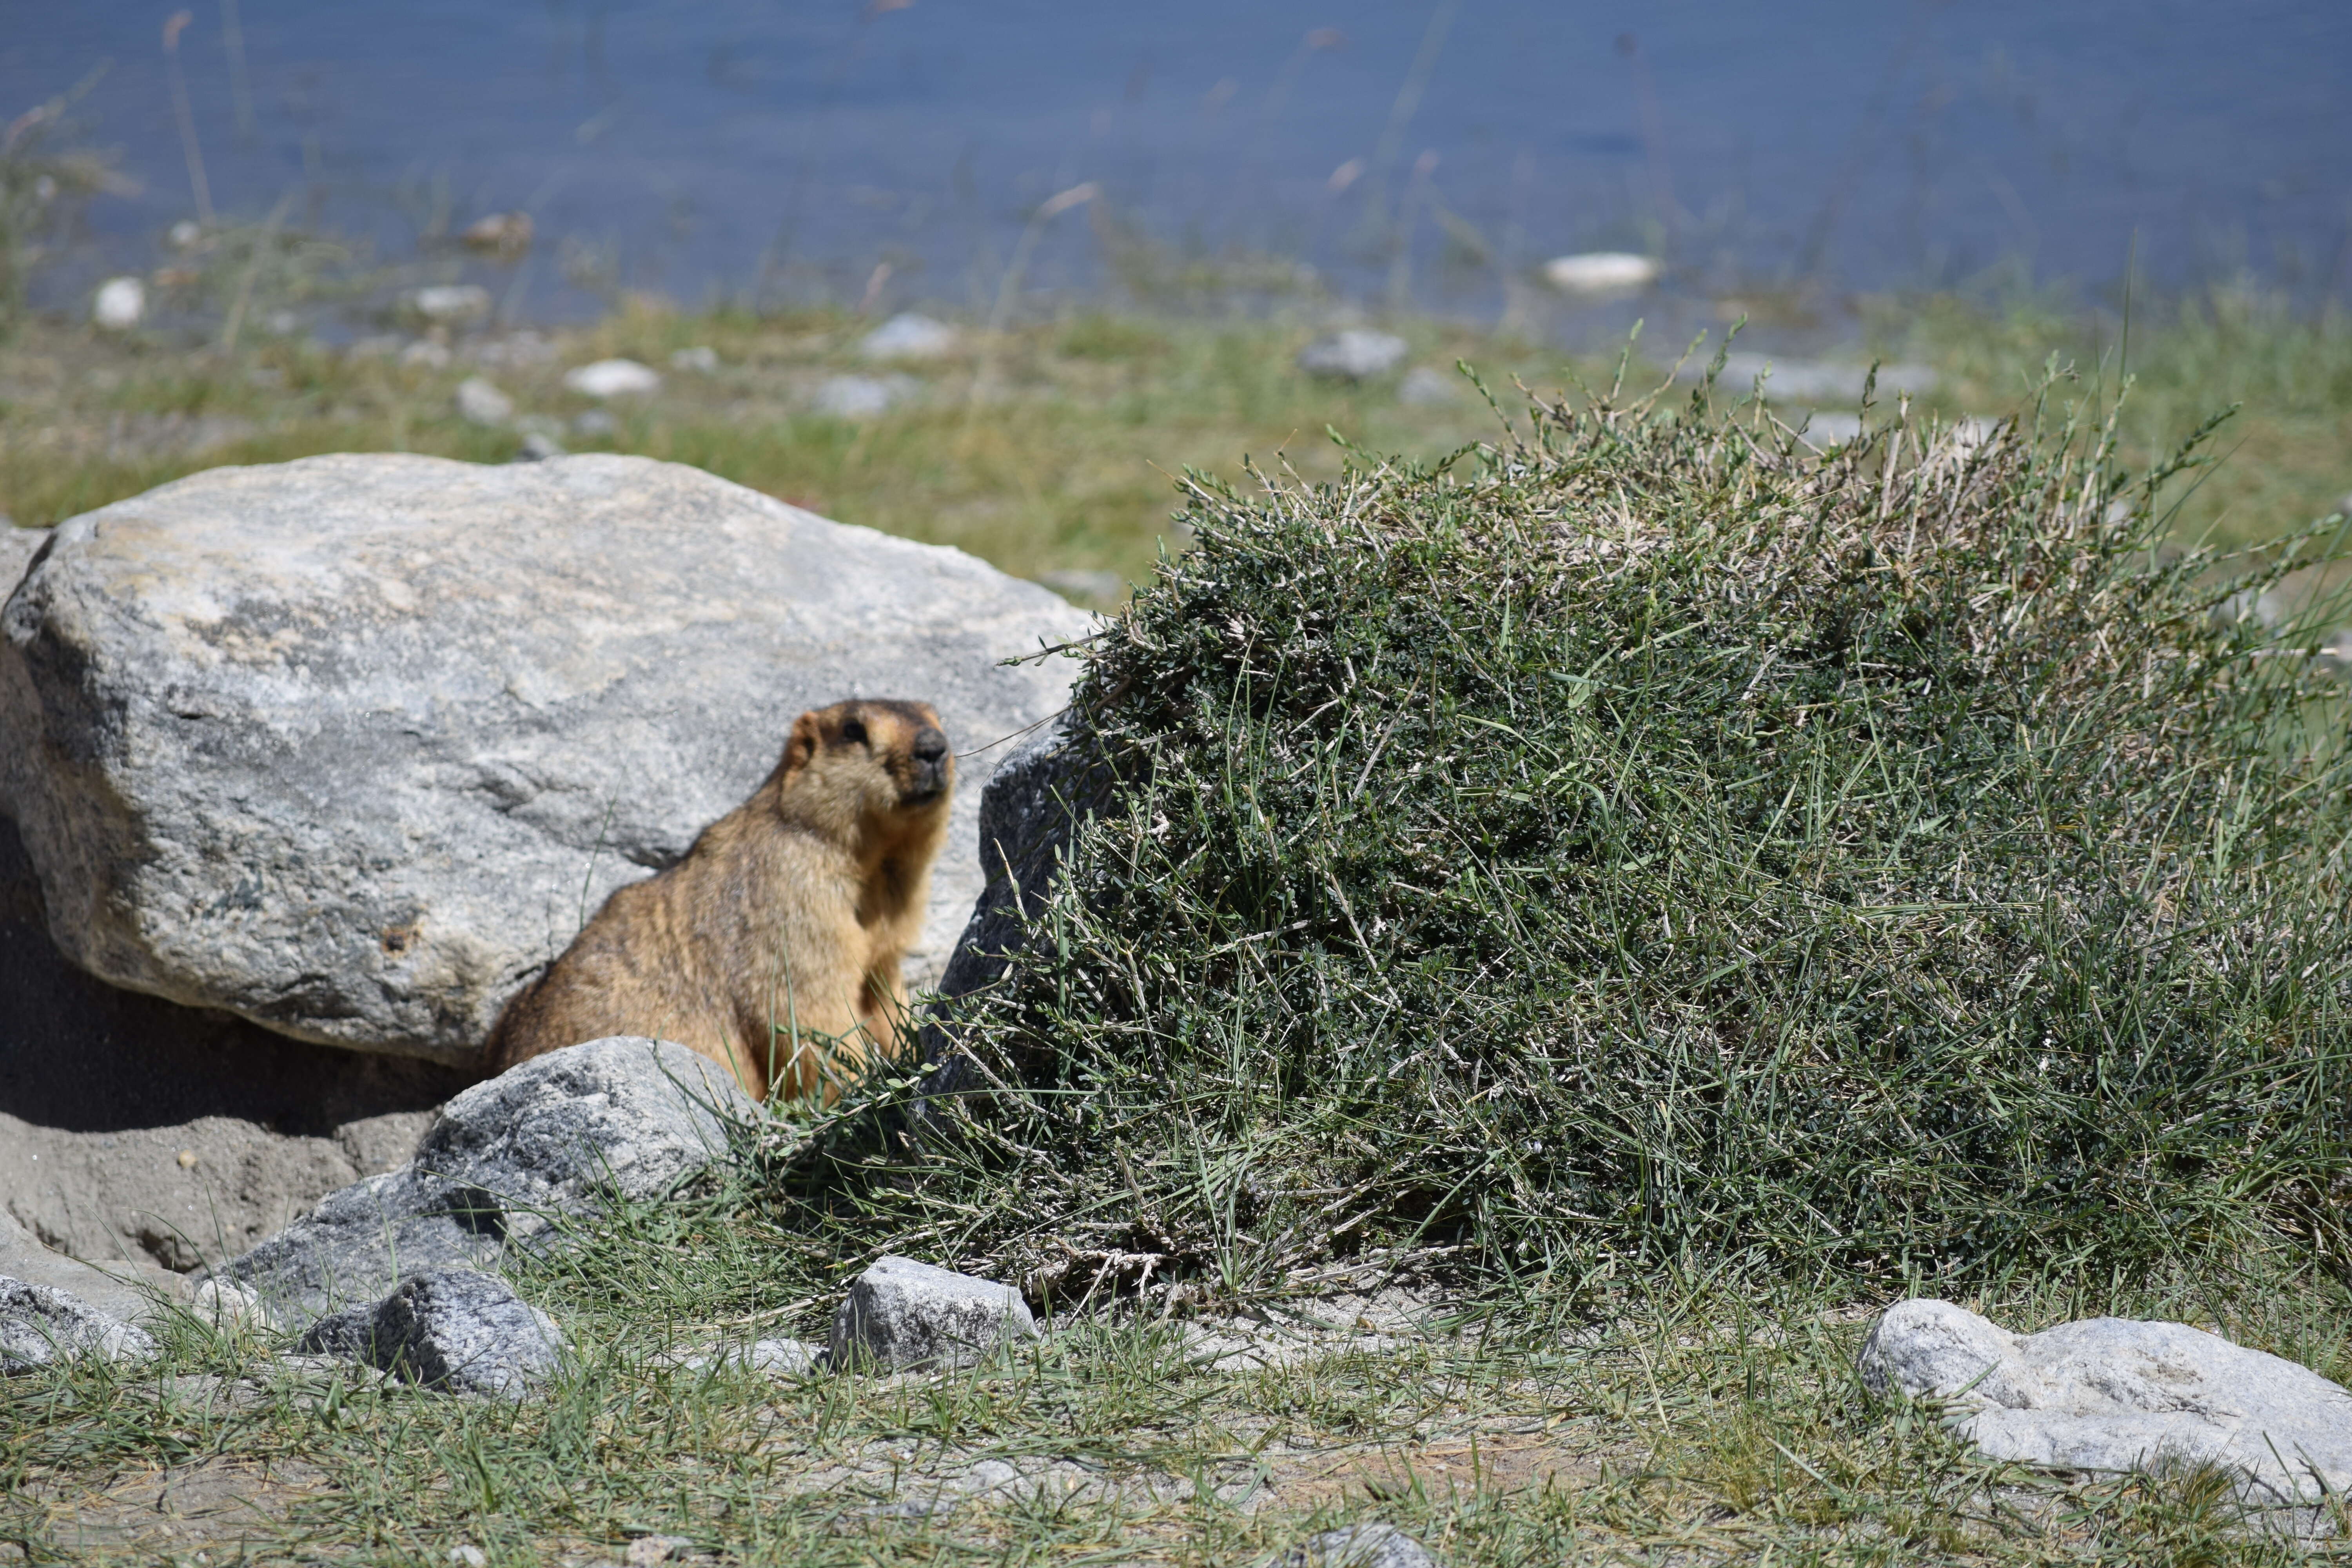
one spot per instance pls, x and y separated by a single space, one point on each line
931 746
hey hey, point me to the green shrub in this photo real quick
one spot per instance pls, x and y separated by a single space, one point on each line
1648 835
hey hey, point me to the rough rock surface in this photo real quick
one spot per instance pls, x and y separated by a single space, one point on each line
548 1138
2114 1394
777 1357
1358 1546
902 1314
39 1323
351 746
1040 794
128 1293
137 1131
453 1329
17 547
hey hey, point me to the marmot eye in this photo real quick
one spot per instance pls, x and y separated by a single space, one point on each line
852 731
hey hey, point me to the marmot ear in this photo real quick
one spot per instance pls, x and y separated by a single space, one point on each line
803 744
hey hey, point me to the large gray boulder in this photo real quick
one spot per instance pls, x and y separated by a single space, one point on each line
552 1138
351 746
2115 1394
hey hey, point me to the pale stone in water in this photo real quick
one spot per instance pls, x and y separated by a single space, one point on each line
1601 273
613 378
120 304
2115 1394
351 745
448 302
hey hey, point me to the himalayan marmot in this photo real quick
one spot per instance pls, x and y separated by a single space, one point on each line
774 947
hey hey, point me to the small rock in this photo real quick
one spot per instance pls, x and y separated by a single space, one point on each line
860 396
902 1313
226 1304
613 378
1425 388
1597 274
427 353
450 1329
1356 354
777 1357
120 305
546 1138
649 1550
1074 582
537 446
470 1557
39 1324
186 234
595 424
1813 381
1359 1546
379 345
502 234
444 303
701 358
908 335
518 350
479 403
2115 1395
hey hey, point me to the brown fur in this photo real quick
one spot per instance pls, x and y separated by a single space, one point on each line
786 919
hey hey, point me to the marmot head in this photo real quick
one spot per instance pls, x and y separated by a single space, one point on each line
870 758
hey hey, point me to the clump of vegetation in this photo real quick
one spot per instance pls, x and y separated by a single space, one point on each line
1646 838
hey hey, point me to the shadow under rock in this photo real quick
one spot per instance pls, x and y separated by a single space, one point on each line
82 1056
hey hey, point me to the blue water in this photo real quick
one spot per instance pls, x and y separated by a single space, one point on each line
719 147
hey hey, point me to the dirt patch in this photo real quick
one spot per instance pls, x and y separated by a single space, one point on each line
234 1509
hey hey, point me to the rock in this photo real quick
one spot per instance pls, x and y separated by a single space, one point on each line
908 335
1052 782
425 354
186 234
701 358
470 1557
456 1330
124 1294
648 1551
120 304
1813 381
546 1140
40 1323
1598 274
860 396
17 548
903 1314
520 349
537 446
1424 388
613 378
1078 583
1354 354
777 1357
445 303
481 404
1359 1546
595 424
351 746
506 235
2114 1394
